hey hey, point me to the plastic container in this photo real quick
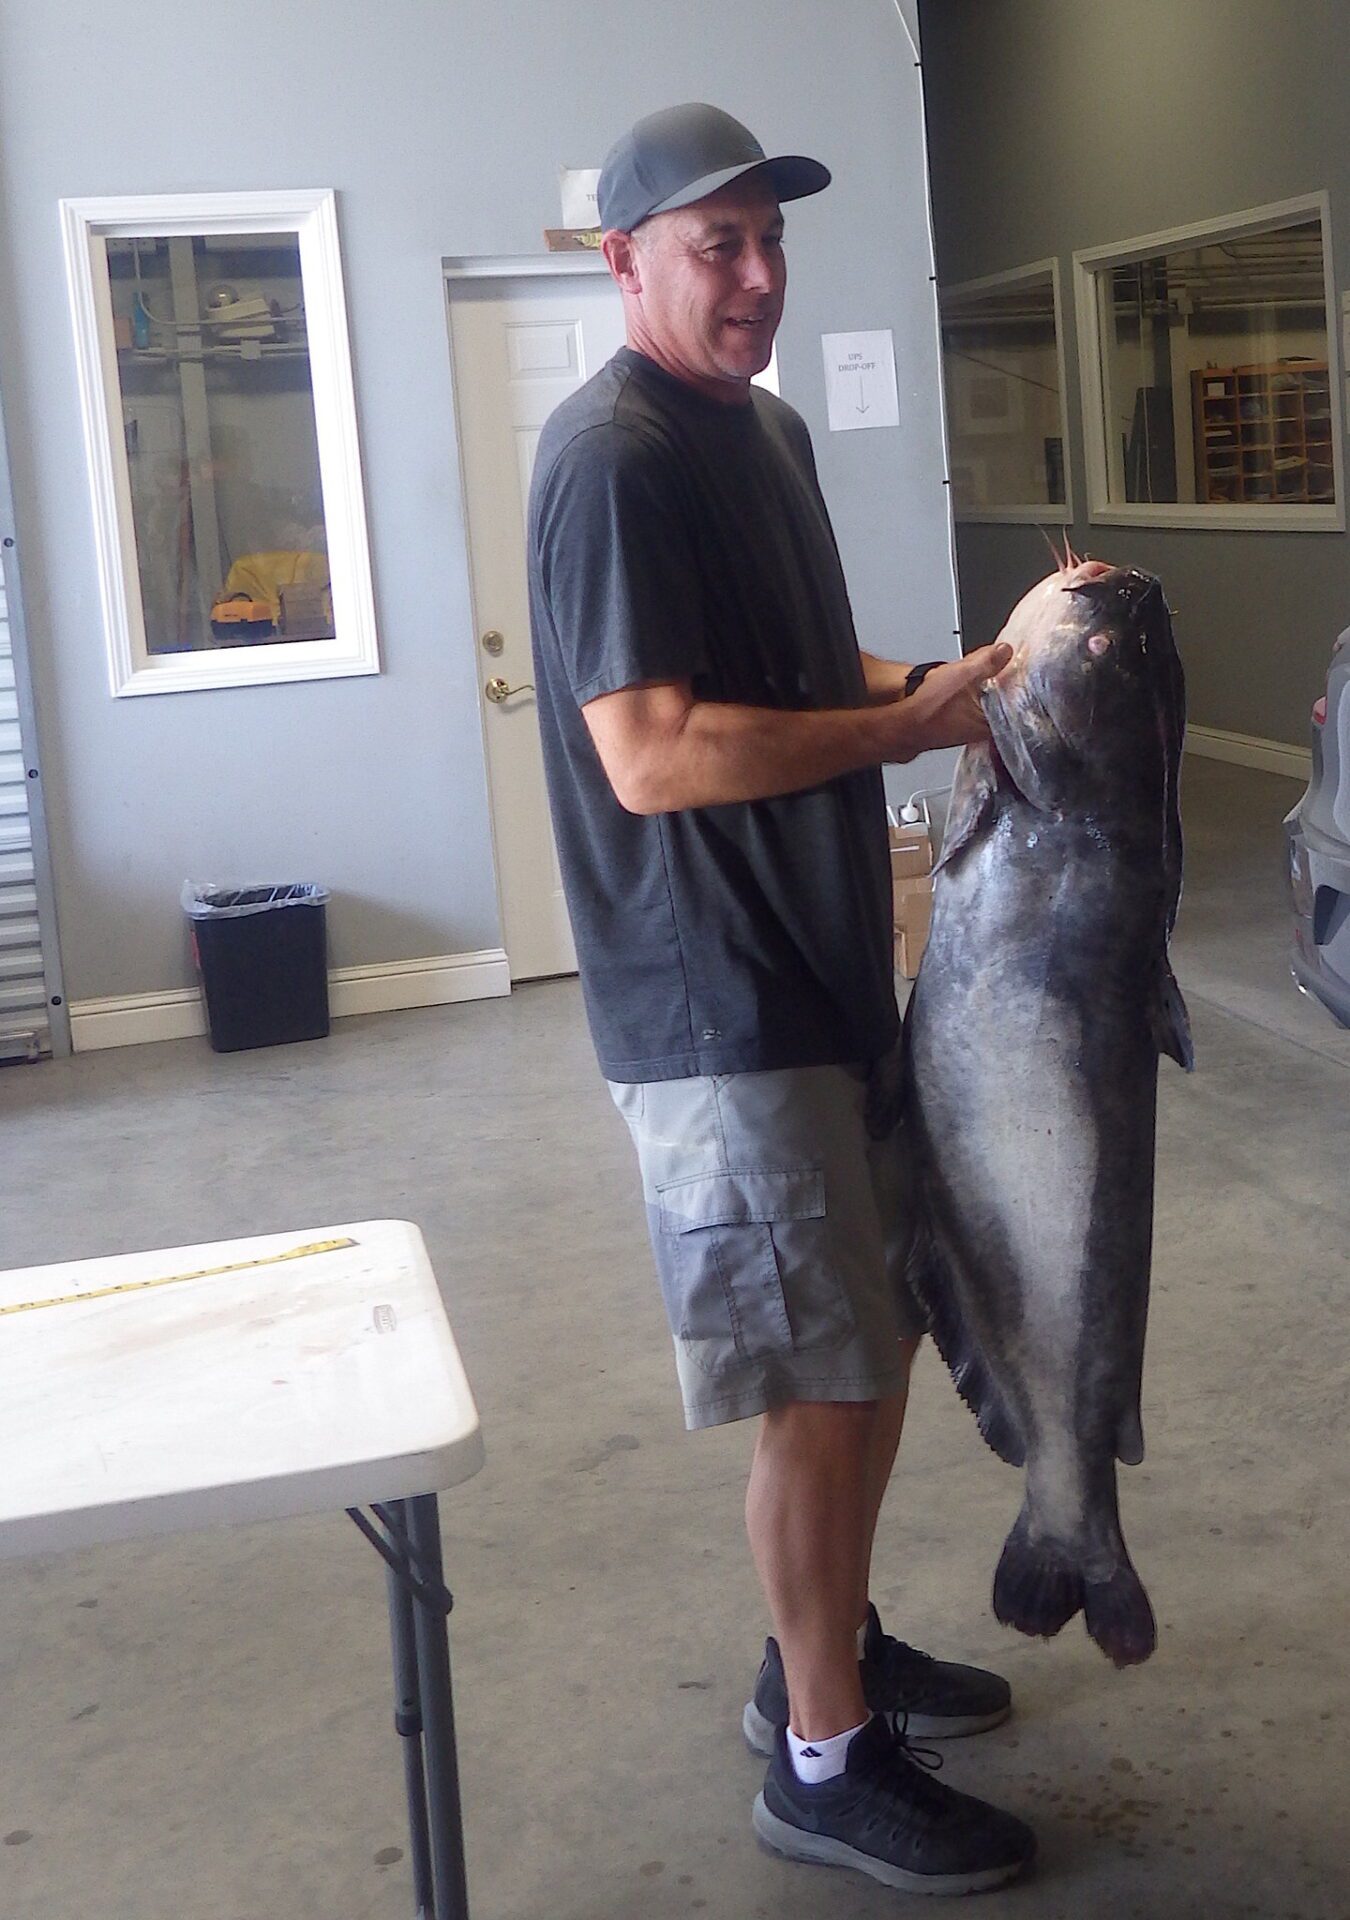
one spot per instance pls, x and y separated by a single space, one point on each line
262 954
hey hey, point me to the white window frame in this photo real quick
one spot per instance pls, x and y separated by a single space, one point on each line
1088 263
1047 513
311 214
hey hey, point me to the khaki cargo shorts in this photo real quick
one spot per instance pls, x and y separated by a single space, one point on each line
780 1235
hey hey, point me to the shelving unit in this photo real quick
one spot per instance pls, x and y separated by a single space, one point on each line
252 350
1263 433
186 359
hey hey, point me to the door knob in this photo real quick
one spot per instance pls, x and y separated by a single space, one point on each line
497 690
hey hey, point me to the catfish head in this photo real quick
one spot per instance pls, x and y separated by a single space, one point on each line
1087 717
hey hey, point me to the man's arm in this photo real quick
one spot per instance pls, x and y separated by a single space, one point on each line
663 750
885 678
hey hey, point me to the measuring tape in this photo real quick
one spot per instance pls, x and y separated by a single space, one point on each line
173 1279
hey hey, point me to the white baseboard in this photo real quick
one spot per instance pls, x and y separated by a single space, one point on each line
435 982
1245 750
127 1019
130 1019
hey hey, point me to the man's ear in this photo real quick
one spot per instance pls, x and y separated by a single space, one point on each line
622 257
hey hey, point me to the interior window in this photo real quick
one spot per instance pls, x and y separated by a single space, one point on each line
1005 405
1216 388
222 454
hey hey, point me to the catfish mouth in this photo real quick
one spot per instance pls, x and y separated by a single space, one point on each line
1037 614
1096 662
1133 589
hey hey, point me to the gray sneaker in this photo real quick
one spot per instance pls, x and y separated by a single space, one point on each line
887 1817
938 1699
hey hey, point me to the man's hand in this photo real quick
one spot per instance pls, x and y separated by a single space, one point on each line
944 710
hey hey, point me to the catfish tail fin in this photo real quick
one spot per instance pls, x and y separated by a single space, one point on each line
1038 1587
1119 1616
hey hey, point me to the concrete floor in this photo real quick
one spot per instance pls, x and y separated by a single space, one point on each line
198 1728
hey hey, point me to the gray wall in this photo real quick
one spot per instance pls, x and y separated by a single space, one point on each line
1059 124
442 128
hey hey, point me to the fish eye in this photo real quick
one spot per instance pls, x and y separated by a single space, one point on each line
1099 643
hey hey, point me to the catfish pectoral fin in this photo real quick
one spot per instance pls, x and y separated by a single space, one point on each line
929 1280
972 803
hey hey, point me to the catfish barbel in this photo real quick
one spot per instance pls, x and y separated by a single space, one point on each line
1032 1036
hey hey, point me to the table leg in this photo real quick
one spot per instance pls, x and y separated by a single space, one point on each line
438 1716
408 1723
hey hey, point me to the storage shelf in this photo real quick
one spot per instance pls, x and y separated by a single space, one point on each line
1263 433
267 350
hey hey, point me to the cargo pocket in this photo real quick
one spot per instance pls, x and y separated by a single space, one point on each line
746 1266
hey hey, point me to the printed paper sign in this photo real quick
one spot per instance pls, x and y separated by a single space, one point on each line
578 186
860 380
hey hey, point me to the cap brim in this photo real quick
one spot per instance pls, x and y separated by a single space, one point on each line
791 175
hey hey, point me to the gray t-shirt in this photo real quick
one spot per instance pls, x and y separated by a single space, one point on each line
672 537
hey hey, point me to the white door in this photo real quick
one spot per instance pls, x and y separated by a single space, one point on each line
521 344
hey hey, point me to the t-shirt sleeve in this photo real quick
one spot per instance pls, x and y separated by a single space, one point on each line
617 564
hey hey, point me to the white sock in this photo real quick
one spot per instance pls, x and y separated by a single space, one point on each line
862 1637
817 1760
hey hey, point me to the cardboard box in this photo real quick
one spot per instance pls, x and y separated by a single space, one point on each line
305 611
572 239
912 895
913 918
908 954
911 852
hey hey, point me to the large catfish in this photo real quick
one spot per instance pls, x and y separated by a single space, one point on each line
1033 1035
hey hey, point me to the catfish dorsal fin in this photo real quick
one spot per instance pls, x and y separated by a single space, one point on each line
1169 1020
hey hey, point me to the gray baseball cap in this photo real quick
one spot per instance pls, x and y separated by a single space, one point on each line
681 154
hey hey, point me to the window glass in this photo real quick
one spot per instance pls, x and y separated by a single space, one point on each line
1215 382
222 455
1000 356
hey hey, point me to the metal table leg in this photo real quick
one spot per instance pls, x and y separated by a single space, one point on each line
408 1724
424 1714
438 1716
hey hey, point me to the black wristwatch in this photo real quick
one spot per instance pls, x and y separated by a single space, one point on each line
916 676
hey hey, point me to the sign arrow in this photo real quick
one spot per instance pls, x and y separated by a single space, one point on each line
862 395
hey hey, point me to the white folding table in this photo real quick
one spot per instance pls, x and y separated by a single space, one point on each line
250 1380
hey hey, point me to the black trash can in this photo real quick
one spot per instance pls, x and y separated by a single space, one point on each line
262 953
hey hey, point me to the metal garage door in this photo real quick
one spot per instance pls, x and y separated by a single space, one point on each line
25 1033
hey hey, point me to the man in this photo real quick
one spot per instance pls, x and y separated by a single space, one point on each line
713 741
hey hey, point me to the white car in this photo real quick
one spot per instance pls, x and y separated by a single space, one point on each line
1318 833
